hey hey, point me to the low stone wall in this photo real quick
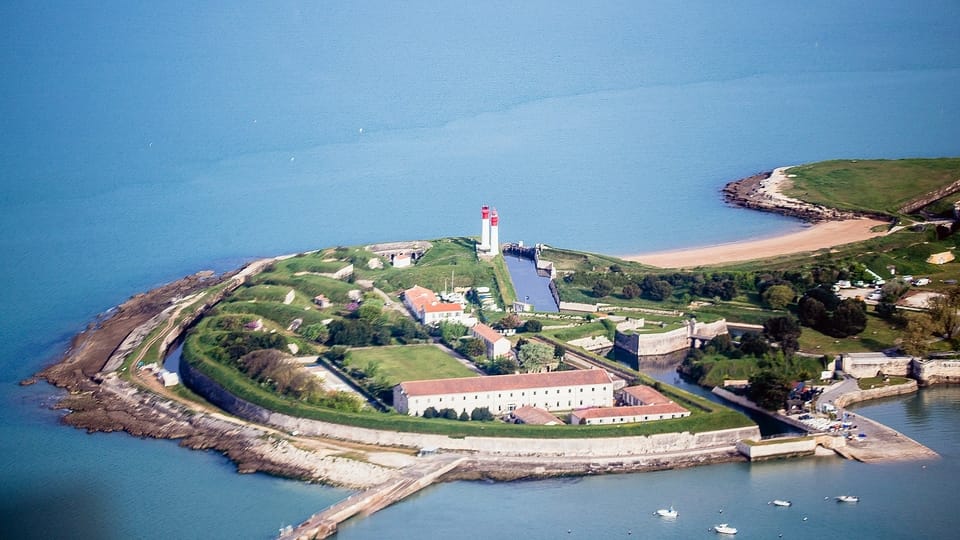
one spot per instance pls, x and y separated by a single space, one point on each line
778 449
507 446
874 393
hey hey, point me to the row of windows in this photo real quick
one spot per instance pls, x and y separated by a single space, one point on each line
522 394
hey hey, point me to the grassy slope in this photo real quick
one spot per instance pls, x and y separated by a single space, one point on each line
871 185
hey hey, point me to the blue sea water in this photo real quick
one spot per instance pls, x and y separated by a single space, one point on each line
142 142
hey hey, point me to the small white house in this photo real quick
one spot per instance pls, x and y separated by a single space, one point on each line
168 378
495 344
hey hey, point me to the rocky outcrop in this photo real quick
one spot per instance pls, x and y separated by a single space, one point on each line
753 192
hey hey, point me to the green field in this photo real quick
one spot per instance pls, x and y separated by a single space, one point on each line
409 363
871 185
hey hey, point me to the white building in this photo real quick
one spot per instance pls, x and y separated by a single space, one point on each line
627 415
553 391
495 344
428 309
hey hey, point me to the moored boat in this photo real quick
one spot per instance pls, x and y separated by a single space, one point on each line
724 528
848 498
780 502
664 513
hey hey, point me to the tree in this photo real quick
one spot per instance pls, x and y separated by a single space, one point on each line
503 365
849 319
430 412
778 296
471 347
785 331
450 332
768 389
464 417
916 337
481 414
659 290
944 312
631 291
316 332
353 332
534 355
370 310
811 311
559 351
509 322
532 326
753 345
602 288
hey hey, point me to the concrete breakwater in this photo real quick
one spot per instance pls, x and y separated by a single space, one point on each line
878 442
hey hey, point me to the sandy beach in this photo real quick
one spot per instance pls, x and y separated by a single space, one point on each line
818 236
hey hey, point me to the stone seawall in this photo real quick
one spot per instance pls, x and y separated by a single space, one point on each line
874 393
929 372
506 446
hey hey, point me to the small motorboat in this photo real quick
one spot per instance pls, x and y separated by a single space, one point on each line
664 513
780 502
724 528
848 498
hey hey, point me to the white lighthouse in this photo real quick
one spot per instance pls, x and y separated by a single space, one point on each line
494 233
484 228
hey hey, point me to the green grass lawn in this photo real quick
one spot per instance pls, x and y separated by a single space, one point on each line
871 185
879 335
409 363
876 382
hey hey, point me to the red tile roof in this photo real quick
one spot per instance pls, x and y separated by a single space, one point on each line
646 395
418 296
638 410
486 333
423 299
494 383
439 307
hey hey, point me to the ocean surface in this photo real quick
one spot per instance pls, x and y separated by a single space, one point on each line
140 142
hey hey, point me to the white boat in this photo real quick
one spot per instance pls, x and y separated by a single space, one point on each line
724 528
848 498
664 513
780 502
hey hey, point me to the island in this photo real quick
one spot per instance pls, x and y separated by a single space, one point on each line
386 367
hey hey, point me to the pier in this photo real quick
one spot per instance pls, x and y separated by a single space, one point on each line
408 481
872 442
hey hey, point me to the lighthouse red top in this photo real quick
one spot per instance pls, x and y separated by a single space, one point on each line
485 212
494 220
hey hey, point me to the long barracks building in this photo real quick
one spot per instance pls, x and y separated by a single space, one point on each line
554 391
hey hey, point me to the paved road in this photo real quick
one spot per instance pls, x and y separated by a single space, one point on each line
847 385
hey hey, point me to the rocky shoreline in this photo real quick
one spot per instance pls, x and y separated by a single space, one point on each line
100 400
761 191
104 402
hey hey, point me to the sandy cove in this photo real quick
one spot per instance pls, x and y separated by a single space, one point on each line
815 237
829 227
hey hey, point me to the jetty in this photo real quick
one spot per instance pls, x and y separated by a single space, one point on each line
408 481
870 442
